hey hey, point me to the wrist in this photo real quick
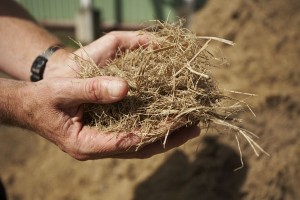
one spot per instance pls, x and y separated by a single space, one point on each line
60 64
12 102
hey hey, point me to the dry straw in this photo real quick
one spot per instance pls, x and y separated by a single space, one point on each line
170 86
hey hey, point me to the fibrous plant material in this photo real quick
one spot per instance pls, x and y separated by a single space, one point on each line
170 86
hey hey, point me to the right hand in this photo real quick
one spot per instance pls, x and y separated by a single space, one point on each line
54 109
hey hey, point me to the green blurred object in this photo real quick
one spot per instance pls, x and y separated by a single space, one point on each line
132 12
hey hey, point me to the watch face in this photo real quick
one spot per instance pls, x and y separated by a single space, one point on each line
38 67
39 64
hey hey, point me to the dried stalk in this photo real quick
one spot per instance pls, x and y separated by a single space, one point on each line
170 86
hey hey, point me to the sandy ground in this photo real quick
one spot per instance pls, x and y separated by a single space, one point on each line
265 61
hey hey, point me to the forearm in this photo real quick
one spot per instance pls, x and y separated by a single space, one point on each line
11 102
22 40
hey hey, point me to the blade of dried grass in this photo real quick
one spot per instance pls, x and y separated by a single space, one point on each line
217 39
169 80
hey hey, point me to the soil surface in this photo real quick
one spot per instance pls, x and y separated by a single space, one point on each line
264 61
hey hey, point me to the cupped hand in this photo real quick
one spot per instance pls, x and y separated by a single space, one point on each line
54 109
55 104
62 64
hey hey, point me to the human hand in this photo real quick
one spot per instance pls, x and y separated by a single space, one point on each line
62 64
54 109
65 127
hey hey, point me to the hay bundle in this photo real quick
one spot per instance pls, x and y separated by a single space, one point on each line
170 86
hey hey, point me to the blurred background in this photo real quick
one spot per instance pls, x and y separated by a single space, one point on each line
88 19
264 61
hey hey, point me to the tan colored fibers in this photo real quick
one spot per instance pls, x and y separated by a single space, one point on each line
170 85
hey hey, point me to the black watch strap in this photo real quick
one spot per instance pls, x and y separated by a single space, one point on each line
39 64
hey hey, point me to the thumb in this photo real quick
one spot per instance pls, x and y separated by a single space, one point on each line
104 90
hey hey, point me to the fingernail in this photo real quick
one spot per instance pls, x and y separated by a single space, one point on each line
117 88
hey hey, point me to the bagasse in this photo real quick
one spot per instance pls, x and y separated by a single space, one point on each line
170 86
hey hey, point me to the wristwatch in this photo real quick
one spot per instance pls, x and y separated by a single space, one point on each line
39 64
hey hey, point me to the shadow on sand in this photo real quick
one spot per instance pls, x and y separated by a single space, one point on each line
210 176
2 191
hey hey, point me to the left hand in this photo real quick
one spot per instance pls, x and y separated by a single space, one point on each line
61 63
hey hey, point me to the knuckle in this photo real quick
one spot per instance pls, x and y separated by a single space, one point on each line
93 90
114 33
114 37
80 157
74 152
78 154
115 42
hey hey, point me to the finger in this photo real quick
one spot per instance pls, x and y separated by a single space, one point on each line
175 139
129 39
106 47
101 90
96 145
